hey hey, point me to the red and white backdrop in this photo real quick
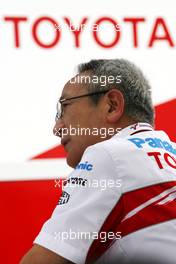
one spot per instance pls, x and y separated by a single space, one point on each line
39 50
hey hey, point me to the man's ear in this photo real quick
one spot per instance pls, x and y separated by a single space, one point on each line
115 101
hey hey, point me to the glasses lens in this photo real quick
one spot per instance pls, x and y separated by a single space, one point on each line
59 111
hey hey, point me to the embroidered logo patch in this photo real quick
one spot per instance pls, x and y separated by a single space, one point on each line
64 198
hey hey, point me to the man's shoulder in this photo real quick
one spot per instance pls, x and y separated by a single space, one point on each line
119 145
109 146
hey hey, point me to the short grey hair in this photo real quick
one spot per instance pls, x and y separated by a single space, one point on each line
134 86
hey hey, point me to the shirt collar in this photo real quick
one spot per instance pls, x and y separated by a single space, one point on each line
134 129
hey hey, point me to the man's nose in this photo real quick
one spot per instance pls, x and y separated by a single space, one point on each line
57 130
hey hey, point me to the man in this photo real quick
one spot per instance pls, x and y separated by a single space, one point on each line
118 205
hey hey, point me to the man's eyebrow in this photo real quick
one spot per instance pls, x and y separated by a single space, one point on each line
63 96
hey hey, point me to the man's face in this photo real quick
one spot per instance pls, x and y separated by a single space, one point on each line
78 113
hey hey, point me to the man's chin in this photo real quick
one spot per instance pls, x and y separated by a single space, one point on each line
74 155
71 161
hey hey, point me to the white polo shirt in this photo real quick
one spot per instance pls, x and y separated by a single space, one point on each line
119 204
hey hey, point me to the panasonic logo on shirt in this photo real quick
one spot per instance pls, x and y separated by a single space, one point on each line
84 166
154 143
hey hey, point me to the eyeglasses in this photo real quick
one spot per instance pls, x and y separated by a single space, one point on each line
60 103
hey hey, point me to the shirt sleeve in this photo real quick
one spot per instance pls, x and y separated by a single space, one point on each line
91 192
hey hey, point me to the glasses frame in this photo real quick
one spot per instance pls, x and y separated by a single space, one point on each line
59 113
